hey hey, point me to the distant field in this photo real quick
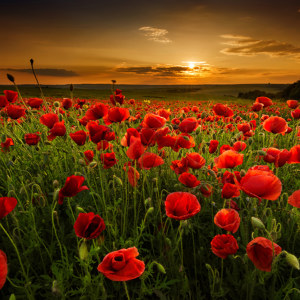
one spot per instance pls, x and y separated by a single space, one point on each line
159 92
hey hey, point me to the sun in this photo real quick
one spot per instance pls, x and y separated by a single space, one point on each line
191 65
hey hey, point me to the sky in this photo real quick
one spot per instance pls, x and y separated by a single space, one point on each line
150 41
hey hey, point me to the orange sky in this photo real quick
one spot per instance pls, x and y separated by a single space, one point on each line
153 42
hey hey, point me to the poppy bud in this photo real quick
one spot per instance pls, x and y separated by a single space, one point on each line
55 215
60 116
80 209
12 297
203 149
55 184
257 223
56 104
261 152
93 164
55 289
212 173
250 141
10 78
3 138
71 87
22 190
81 162
242 173
285 197
150 210
214 137
83 251
118 180
155 190
168 242
203 115
292 260
31 61
78 174
198 129
148 201
160 268
154 180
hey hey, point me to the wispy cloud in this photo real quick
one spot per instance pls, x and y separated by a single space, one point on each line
155 34
248 46
46 72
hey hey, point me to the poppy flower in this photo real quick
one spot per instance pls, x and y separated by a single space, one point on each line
261 252
225 148
147 136
275 125
11 96
98 132
222 110
116 115
122 265
213 146
244 127
294 199
264 100
3 268
153 121
72 187
179 166
3 101
88 156
66 103
276 156
32 139
164 113
35 102
296 114
96 111
117 97
229 159
15 112
5 146
108 160
228 219
257 106
230 190
49 119
58 129
150 160
292 103
136 149
79 137
194 160
88 226
133 176
189 180
181 205
103 145
125 141
239 146
224 245
260 184
7 204
188 125
206 189
295 155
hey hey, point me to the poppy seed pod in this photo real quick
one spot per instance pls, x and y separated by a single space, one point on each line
10 78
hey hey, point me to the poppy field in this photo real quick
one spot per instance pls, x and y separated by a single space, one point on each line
145 199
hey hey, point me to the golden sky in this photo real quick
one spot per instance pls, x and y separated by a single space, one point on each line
150 42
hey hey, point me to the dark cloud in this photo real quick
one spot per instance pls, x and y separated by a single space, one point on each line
247 46
47 72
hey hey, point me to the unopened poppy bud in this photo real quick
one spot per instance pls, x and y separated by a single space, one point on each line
85 106
186 138
55 288
83 251
93 164
56 104
257 223
250 141
22 190
203 115
214 137
79 209
285 197
160 268
71 87
168 242
10 78
154 180
148 201
55 216
81 162
31 61
3 138
55 184
242 173
261 152
78 174
198 129
292 260
184 223
212 173
150 210
203 149
118 180
60 116
155 190
262 134
12 297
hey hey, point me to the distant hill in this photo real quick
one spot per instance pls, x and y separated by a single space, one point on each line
291 92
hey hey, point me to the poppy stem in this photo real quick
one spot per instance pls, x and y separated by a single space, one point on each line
126 290
222 268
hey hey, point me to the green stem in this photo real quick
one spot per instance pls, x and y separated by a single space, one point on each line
126 290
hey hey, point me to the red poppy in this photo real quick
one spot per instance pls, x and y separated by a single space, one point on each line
229 159
72 187
99 132
136 149
149 160
239 146
11 96
66 103
88 226
227 219
244 127
79 137
188 125
257 106
261 252
108 160
147 136
3 268
275 125
222 110
35 102
58 129
116 115
129 133
88 156
15 112
189 180
153 121
122 265
276 156
117 97
3 101
292 103
295 156
96 111
8 142
103 145
264 100
294 199
7 204
206 189
224 245
49 119
133 176
296 114
225 148
194 160
179 166
213 146
32 139
181 205
230 190
164 113
260 184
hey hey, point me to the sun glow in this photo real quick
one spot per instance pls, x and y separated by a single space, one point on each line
191 65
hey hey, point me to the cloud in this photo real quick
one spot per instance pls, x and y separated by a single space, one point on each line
155 34
247 46
47 72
